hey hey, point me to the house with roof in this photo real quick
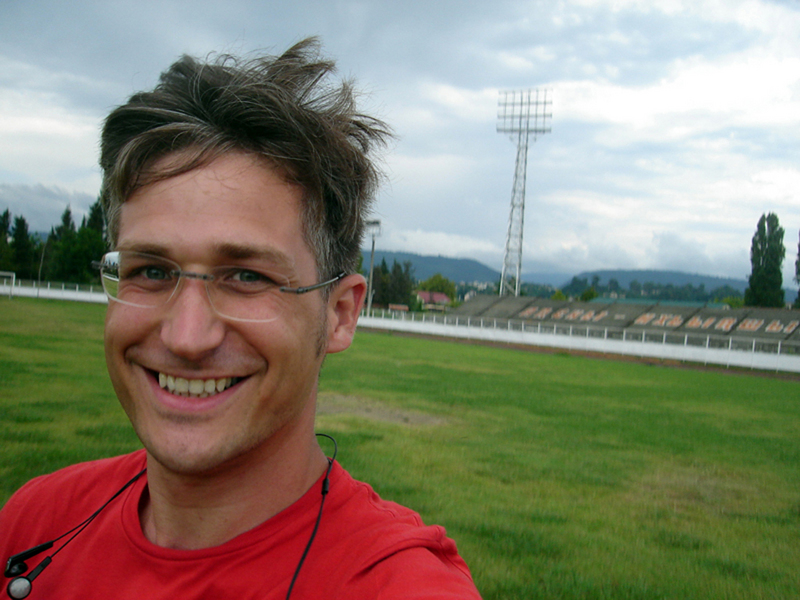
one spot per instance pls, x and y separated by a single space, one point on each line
433 300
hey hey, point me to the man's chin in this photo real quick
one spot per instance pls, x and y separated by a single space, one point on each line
201 457
187 462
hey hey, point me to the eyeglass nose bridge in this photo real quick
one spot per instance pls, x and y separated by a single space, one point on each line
192 275
206 278
211 292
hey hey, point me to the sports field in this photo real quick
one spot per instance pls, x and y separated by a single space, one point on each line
559 476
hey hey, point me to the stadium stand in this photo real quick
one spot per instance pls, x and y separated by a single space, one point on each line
639 320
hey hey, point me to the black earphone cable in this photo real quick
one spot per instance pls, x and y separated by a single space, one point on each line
85 524
325 488
20 586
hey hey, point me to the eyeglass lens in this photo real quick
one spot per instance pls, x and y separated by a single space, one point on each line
248 293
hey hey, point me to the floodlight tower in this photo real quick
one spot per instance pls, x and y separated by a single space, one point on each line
374 229
521 113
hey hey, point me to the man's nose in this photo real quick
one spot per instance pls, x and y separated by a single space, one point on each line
191 328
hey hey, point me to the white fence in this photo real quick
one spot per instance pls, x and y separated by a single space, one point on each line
55 291
752 353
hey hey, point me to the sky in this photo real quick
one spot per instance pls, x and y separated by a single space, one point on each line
675 124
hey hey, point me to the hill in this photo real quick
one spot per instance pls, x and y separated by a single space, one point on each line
455 269
676 278
467 270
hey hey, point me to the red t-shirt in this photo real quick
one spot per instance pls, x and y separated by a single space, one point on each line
365 547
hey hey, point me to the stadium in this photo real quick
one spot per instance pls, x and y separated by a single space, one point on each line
756 338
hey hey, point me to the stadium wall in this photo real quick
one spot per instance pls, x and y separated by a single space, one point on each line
643 331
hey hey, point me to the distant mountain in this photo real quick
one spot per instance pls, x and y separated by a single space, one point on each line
455 269
676 278
553 279
468 270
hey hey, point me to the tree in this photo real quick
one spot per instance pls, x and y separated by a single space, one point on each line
401 283
6 256
380 281
62 260
439 283
588 294
576 287
797 275
89 245
392 286
23 249
95 220
766 256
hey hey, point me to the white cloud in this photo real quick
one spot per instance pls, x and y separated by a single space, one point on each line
477 106
437 243
42 139
697 96
42 206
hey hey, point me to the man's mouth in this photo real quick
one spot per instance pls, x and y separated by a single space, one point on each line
196 388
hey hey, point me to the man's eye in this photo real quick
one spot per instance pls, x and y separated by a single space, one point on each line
149 273
155 273
244 276
247 280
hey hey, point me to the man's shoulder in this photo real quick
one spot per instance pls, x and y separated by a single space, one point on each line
370 509
84 480
390 546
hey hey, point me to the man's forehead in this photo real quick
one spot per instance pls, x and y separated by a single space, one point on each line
218 252
235 207
194 158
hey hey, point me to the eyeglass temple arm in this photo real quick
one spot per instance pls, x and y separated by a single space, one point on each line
316 286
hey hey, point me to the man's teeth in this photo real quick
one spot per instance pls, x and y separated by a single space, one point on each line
199 388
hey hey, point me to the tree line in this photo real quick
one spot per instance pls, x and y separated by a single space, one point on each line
765 283
64 255
397 285
67 252
581 287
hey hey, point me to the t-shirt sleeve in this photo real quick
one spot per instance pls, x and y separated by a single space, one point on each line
413 574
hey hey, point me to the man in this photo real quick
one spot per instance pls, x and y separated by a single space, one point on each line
235 195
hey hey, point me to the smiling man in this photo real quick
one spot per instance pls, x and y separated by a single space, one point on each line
235 194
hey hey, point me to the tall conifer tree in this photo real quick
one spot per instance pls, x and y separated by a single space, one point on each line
23 249
766 256
797 275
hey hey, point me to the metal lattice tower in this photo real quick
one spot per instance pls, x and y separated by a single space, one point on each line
521 113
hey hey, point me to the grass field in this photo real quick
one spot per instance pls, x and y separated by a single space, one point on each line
558 476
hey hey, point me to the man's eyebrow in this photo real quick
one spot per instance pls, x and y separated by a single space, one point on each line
145 248
233 251
222 251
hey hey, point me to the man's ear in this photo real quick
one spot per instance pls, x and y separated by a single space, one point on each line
344 306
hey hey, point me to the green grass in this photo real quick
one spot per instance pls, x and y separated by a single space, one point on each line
558 476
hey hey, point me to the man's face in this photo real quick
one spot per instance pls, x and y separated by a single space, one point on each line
234 211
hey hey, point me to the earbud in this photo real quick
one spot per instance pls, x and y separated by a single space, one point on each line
16 564
20 587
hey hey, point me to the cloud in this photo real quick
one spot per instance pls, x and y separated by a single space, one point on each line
44 139
437 243
42 206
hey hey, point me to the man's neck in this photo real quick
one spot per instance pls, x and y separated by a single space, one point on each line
190 512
